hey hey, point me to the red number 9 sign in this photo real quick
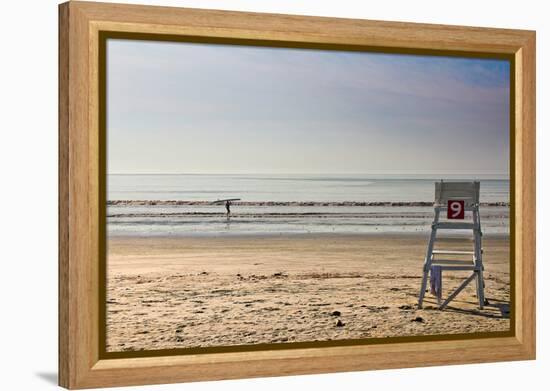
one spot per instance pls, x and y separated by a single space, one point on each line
455 209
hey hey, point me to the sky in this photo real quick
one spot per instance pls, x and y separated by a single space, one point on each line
204 108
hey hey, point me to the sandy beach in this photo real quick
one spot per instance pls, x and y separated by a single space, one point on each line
180 292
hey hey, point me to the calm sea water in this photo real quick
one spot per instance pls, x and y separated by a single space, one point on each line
277 204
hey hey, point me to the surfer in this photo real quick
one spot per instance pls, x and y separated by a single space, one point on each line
228 207
227 202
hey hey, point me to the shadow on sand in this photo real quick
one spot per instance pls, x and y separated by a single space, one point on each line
502 306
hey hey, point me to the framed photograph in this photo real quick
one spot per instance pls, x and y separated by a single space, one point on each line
246 195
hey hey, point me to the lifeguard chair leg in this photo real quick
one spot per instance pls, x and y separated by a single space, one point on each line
428 259
423 287
480 294
477 288
478 259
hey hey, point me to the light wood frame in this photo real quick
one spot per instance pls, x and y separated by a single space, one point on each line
80 23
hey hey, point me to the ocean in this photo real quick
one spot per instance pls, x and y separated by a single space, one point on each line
181 204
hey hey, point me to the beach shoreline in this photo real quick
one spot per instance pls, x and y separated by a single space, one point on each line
180 292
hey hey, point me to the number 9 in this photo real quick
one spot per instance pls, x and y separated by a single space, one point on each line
456 208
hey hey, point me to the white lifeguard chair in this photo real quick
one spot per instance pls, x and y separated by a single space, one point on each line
455 198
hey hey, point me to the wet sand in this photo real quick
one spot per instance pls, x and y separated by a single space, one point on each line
181 292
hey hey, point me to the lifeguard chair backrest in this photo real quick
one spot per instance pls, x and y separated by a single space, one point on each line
467 191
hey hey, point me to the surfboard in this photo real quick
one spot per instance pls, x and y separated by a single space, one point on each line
224 200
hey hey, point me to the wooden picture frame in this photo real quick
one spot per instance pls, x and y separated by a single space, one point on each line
81 24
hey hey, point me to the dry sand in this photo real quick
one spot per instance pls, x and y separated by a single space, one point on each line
166 293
